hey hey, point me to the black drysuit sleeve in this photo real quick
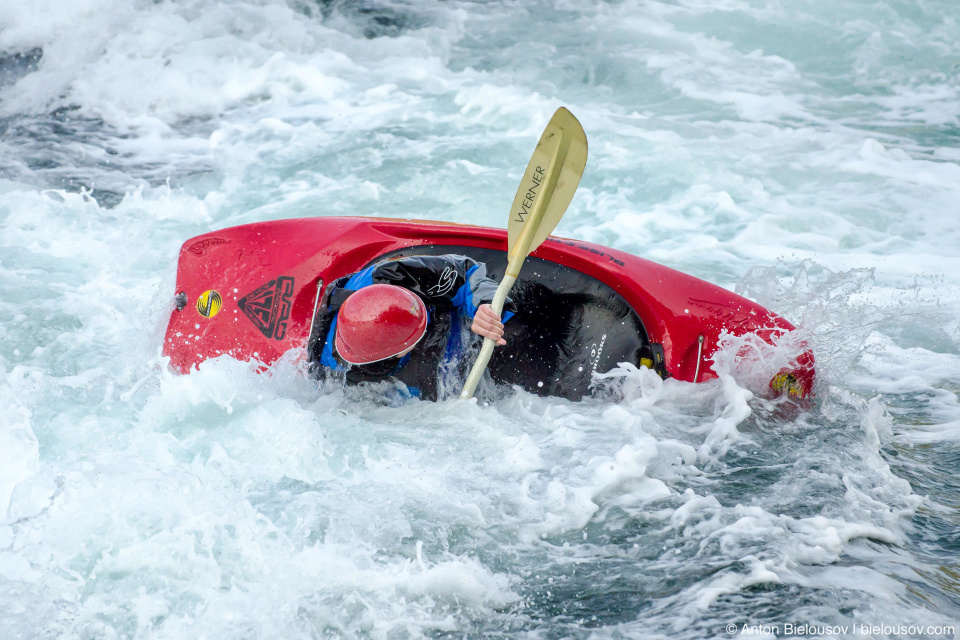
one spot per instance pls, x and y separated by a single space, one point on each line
452 279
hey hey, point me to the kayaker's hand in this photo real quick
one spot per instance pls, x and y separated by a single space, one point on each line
487 323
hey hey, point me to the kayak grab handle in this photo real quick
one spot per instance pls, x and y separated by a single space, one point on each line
696 373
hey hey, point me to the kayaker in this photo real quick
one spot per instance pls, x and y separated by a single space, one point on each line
404 318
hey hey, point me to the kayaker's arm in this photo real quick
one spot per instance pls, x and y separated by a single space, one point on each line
452 279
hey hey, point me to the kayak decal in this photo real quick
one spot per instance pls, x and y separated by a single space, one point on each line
594 250
730 317
209 303
268 307
198 247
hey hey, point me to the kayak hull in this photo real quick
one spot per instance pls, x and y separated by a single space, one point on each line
251 292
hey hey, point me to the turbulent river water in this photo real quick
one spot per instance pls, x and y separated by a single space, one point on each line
803 153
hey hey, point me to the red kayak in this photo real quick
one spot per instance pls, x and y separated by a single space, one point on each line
253 292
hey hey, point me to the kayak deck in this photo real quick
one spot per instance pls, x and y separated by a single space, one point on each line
583 307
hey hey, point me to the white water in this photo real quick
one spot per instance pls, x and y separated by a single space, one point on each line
804 154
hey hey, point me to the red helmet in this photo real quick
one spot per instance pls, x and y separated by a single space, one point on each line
379 322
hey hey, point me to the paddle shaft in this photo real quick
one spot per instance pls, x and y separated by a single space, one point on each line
516 255
486 351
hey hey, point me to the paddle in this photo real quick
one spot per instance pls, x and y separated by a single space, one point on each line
547 187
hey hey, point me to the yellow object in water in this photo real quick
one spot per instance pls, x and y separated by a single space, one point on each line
786 382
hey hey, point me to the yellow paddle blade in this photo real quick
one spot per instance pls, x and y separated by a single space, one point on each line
547 187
